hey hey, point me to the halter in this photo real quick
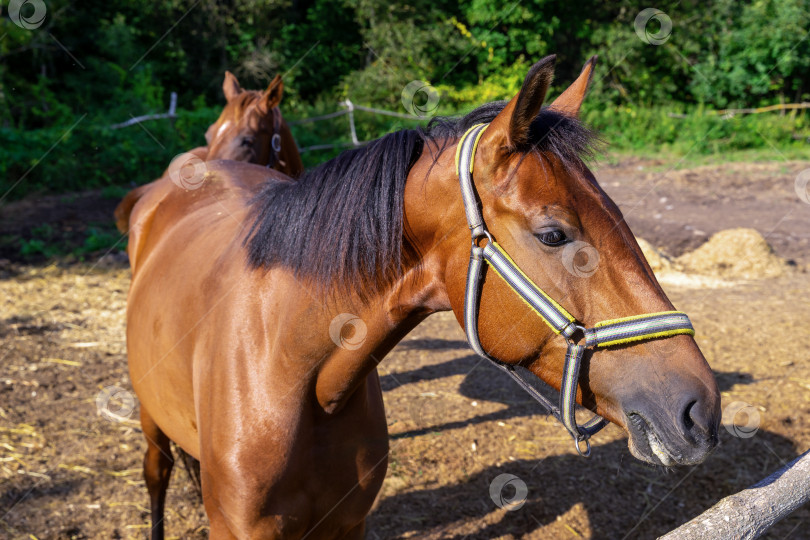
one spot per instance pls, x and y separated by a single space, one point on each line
603 334
275 140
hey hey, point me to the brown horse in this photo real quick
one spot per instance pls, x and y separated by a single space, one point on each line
250 128
262 307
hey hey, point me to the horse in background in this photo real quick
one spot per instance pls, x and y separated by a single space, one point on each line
250 128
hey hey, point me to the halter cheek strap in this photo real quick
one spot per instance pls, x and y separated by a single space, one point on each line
275 140
603 334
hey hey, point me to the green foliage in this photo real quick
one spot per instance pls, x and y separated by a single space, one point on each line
404 41
684 130
766 52
45 241
40 243
320 47
92 155
99 240
498 86
97 63
115 193
696 133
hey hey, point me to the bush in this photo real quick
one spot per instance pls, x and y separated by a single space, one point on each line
91 155
697 132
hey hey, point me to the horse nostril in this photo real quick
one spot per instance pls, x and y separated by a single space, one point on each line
697 419
688 423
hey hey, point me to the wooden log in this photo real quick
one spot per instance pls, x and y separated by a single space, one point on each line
753 511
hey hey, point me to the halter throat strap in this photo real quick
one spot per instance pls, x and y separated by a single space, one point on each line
603 334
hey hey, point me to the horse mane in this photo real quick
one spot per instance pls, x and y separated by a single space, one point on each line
342 223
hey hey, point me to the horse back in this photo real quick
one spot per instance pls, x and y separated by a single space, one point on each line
187 256
164 202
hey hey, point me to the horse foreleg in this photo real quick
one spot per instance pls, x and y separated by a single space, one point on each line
157 467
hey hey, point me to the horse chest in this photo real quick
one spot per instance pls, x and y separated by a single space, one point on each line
333 464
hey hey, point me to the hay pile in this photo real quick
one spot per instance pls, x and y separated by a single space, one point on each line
734 254
658 261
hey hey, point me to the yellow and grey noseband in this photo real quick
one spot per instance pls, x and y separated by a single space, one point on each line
603 334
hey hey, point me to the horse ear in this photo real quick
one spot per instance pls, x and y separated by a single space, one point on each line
571 99
272 96
230 86
513 122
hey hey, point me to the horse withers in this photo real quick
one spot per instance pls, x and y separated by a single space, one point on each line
232 312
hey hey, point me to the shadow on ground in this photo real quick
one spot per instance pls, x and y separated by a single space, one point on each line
621 497
478 385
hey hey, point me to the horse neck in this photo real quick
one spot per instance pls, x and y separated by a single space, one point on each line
391 313
387 318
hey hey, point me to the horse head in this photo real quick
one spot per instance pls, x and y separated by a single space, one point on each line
251 128
540 204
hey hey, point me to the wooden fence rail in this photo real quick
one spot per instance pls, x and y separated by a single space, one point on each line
172 114
729 113
751 512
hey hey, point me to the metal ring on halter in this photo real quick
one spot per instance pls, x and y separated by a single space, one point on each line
275 142
480 235
568 336
586 440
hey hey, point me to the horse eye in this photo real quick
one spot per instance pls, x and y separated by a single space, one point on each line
553 237
248 141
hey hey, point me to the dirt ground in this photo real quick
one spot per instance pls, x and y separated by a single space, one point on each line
68 471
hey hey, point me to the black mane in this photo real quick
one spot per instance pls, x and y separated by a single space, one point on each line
341 224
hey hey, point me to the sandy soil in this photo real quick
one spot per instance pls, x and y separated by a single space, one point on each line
68 471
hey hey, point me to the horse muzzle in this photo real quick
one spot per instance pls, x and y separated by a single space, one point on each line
683 435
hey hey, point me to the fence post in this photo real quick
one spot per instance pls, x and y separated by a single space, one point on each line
347 108
349 105
172 107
